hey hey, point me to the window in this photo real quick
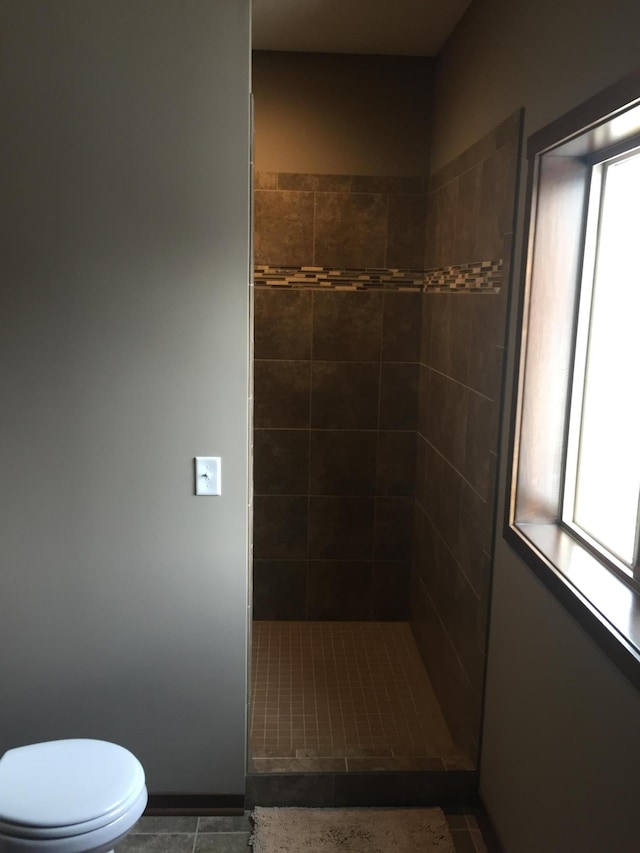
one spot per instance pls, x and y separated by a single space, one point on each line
602 470
574 509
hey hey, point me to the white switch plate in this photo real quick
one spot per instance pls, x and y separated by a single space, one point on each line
208 476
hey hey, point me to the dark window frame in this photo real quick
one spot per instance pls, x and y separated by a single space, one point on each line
561 156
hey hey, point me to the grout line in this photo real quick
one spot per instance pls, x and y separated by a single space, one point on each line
453 468
313 232
306 568
458 382
386 230
453 555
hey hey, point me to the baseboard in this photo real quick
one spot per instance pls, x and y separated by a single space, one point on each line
194 804
331 790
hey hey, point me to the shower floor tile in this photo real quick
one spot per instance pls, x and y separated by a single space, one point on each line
344 696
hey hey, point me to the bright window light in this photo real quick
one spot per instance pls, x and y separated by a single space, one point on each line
602 487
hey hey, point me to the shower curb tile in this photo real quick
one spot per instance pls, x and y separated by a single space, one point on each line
457 762
299 765
372 765
405 789
364 752
290 789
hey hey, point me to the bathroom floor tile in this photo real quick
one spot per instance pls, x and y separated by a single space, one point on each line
230 834
224 823
344 690
222 842
164 842
148 825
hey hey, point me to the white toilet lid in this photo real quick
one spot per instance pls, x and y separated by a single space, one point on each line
68 782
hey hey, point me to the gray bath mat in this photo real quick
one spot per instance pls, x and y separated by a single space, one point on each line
289 830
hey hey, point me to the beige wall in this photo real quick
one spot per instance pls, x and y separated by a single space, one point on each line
123 354
547 56
341 114
561 749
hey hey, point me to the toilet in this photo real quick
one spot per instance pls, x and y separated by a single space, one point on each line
69 796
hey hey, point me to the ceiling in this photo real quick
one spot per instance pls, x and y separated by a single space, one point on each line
394 27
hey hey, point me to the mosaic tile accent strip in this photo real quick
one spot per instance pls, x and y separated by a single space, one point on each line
481 276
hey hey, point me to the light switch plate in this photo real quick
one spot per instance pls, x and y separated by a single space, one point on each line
208 475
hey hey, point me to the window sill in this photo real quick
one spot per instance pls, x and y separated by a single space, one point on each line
607 609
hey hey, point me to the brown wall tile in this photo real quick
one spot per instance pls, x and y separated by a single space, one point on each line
428 552
431 219
441 343
282 324
345 460
481 443
347 326
279 528
459 701
350 230
281 462
442 500
402 317
474 538
497 191
281 394
477 329
421 469
423 399
342 462
398 396
279 589
341 528
314 183
445 200
447 417
426 319
482 627
393 527
406 231
396 464
437 569
467 217
283 228
390 590
344 395
339 589
382 223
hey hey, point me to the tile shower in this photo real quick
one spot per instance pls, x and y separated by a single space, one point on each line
379 316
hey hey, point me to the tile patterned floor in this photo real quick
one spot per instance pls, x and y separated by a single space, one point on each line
231 835
344 696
